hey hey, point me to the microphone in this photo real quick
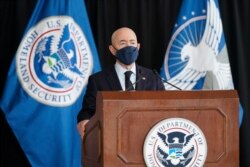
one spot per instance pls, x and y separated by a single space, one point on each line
163 80
138 80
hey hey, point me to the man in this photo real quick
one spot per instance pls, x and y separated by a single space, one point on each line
124 47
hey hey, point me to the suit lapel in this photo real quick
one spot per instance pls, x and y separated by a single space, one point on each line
113 80
139 75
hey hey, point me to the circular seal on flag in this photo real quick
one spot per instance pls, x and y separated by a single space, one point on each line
175 142
54 61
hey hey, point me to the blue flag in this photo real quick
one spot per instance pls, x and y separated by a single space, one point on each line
196 57
47 80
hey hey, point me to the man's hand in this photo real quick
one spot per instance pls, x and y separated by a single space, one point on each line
81 127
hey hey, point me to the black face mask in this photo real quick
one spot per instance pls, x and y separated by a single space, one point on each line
127 55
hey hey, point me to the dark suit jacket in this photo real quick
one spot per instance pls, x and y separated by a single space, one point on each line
108 80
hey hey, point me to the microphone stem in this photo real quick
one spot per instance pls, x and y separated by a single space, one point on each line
172 85
157 74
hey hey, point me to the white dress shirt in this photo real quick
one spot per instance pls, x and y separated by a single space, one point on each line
120 72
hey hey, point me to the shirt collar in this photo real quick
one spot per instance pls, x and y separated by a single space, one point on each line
121 70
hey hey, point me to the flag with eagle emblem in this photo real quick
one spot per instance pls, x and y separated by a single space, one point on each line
196 57
47 80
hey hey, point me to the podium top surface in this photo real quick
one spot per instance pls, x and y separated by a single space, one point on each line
193 94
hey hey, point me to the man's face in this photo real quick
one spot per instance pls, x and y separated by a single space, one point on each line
123 38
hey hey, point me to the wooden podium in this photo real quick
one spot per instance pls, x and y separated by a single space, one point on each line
115 135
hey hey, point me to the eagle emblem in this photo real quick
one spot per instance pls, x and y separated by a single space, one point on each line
55 60
179 150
